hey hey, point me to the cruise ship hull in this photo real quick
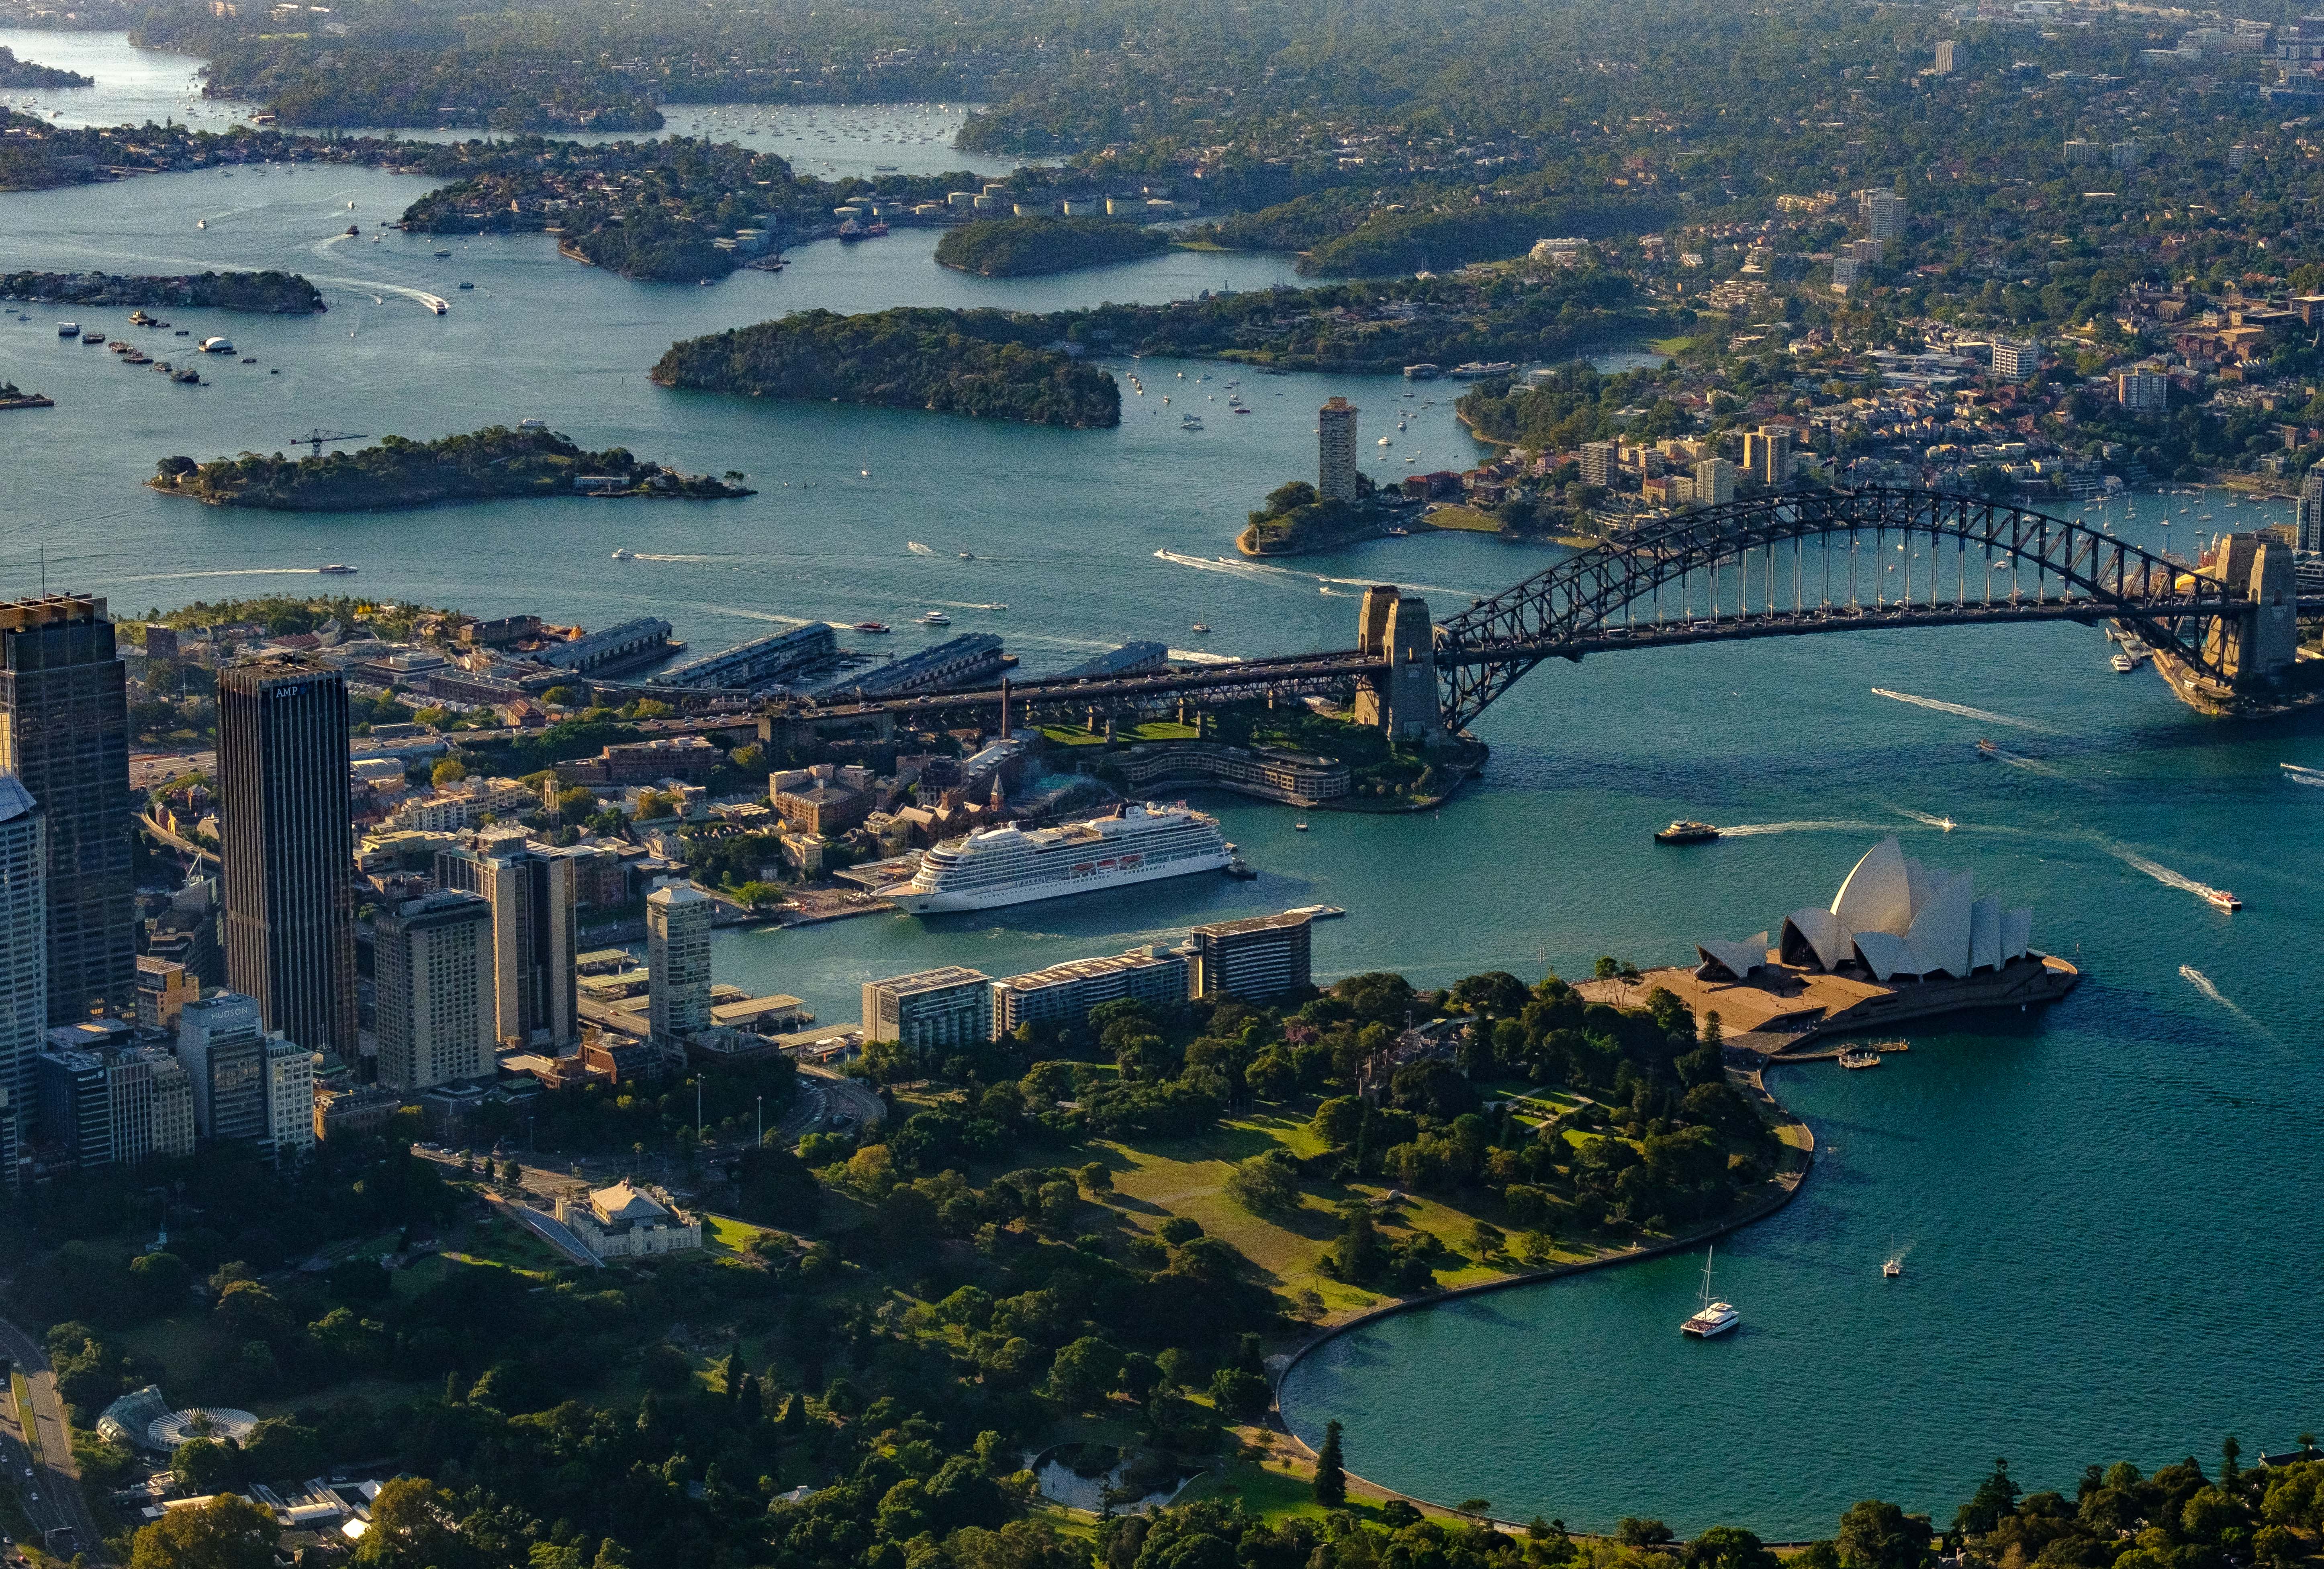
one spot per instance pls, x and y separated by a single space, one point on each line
941 903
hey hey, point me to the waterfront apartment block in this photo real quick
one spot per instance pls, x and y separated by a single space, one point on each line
64 733
951 1006
678 961
1066 992
1269 773
23 944
435 1007
1264 955
288 848
1335 450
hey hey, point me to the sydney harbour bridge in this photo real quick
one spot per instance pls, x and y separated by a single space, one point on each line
1778 566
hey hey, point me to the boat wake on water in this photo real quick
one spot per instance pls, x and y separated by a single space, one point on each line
1204 657
917 549
223 572
1963 710
2202 982
2163 875
1812 825
2304 776
1947 824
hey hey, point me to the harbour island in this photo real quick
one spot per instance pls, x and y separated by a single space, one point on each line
496 463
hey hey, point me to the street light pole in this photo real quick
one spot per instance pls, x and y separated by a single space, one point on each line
762 1122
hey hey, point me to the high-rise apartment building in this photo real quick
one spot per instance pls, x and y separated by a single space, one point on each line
64 731
1884 214
2143 391
677 962
432 965
1714 481
1335 450
1768 457
1950 57
222 1042
23 942
288 848
951 1006
2311 535
1264 955
1068 991
530 888
1598 459
2014 362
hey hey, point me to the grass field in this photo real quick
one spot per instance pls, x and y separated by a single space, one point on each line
1468 519
1672 345
1187 1176
30 1429
724 1234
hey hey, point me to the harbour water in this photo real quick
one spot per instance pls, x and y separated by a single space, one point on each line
2069 1184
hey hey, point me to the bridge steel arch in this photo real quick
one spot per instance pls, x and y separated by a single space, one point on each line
1695 576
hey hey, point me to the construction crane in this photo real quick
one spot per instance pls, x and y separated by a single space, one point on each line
318 436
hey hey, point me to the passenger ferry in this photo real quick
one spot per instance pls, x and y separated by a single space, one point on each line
1013 865
1686 831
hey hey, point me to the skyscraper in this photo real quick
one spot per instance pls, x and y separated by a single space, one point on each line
2311 510
530 888
434 982
1335 450
64 731
222 1042
677 962
23 942
283 824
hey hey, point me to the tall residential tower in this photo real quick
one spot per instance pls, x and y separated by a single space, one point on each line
1335 450
284 823
64 733
24 946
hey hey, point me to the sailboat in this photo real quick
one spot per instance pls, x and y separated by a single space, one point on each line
1712 1318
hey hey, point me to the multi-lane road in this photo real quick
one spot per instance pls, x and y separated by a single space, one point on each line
52 1491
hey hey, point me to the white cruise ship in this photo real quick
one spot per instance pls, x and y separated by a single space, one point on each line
1003 866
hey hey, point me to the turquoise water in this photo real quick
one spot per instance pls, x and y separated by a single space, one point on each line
2111 1245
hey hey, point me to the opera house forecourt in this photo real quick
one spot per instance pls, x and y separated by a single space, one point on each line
1901 940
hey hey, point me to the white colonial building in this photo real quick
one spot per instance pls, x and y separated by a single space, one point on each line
622 1223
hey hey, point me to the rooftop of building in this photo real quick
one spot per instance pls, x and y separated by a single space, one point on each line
16 800
936 980
1284 922
1087 969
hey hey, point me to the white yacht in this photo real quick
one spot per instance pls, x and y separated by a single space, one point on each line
1013 865
624 553
1712 1318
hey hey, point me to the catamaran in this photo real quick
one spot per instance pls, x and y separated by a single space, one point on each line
1712 1318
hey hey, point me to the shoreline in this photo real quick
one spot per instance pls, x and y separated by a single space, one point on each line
1783 1187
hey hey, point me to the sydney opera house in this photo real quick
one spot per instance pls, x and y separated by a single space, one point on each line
1894 918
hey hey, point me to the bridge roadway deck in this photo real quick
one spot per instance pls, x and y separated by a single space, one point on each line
1290 670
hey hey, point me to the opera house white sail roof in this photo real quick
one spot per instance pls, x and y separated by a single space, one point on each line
1893 916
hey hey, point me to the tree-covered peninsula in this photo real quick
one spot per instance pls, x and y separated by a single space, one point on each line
25 73
1019 247
987 363
489 465
281 294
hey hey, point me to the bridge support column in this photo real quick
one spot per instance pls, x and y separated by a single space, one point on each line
2264 641
1402 700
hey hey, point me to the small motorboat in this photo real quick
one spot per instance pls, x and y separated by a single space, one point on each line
875 627
1987 746
1299 825
624 553
935 618
335 569
968 555
2219 897
1860 1057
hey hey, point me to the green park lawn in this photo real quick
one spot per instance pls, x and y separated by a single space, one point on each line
1468 519
1153 730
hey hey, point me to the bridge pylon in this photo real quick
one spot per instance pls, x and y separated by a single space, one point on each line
1401 702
